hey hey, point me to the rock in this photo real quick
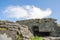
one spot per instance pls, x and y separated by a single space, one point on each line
25 32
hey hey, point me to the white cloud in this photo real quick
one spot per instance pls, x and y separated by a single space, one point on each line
26 12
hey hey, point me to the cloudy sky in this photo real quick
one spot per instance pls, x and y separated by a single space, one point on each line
29 9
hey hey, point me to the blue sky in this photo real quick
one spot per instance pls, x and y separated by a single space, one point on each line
53 5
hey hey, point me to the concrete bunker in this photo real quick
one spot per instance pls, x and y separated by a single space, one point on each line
36 32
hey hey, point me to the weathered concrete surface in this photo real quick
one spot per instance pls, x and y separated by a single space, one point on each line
43 25
25 28
25 32
7 35
8 28
11 29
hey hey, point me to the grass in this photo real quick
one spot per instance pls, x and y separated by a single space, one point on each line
18 37
36 38
3 28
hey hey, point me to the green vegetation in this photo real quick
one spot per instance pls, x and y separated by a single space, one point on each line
3 28
18 37
36 38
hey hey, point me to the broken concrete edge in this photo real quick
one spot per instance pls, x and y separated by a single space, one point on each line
36 20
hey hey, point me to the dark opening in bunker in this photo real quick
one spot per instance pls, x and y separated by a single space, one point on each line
40 34
44 34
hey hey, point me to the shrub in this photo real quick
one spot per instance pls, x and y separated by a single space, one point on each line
36 38
18 37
